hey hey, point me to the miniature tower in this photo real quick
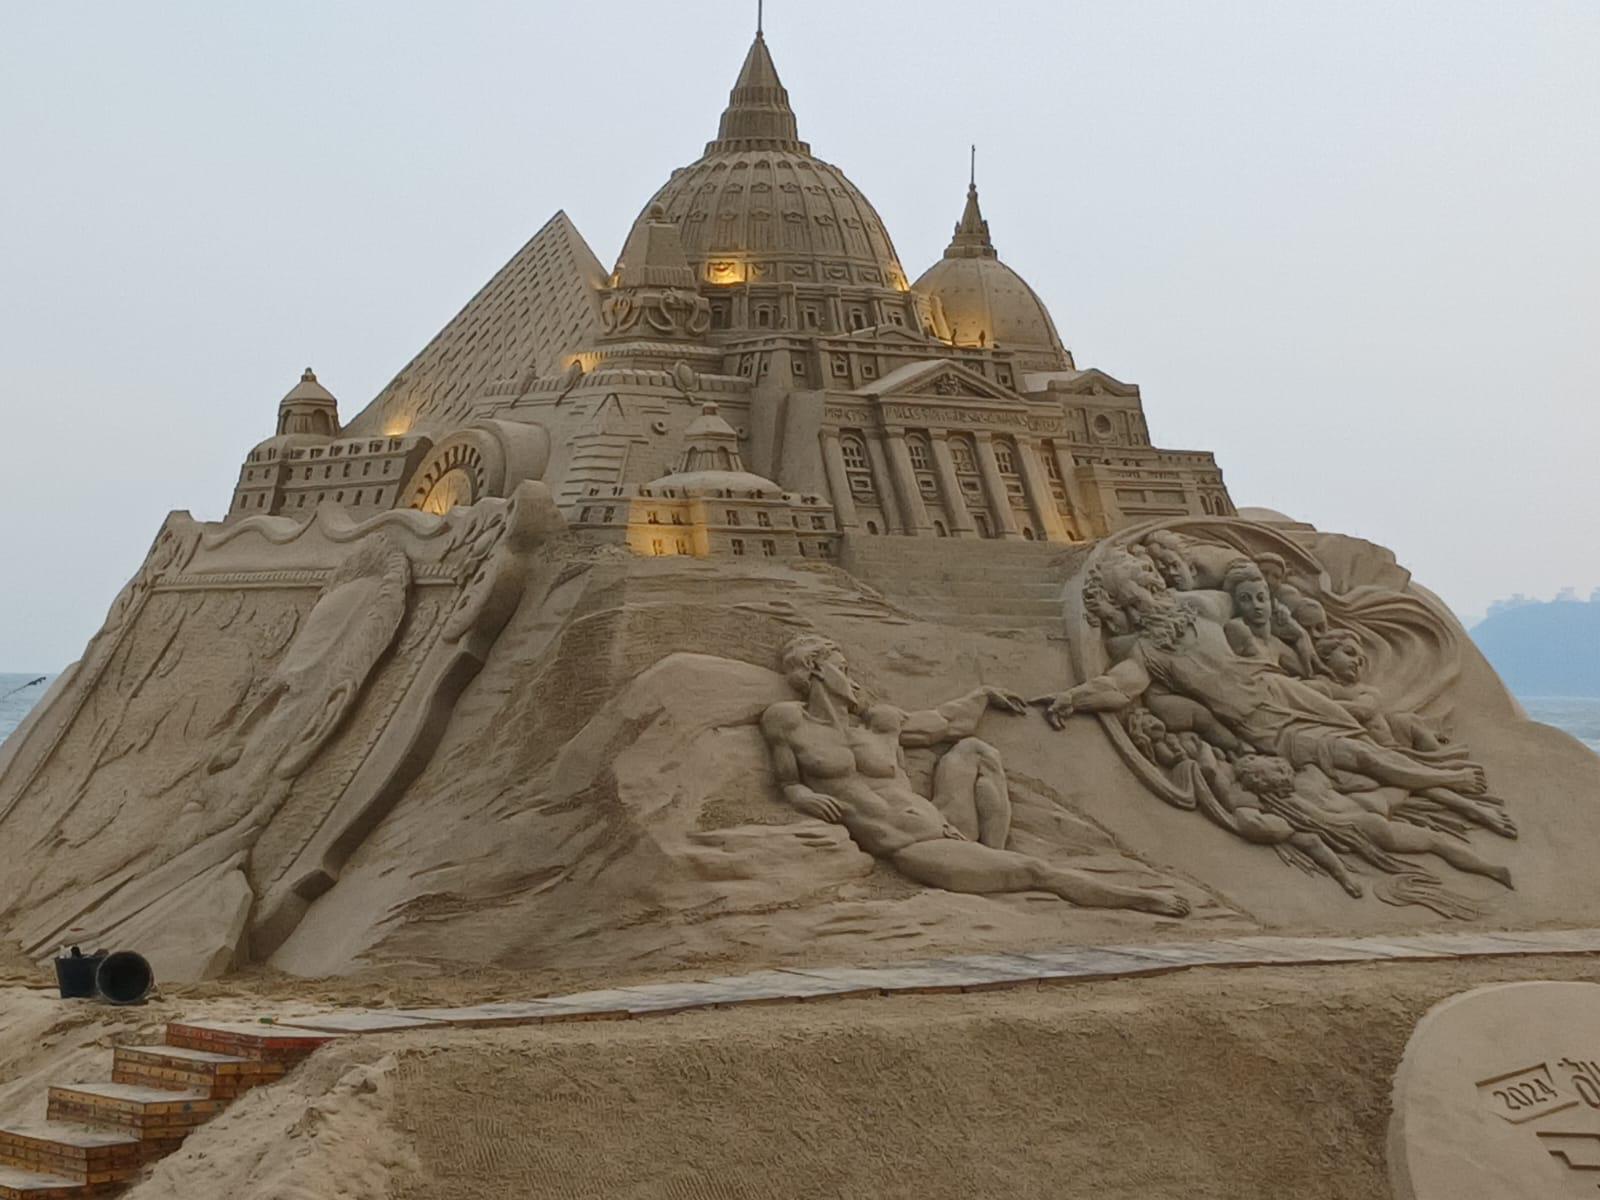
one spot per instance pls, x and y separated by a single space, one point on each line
308 408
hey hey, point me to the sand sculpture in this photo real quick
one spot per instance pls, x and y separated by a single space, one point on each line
837 758
540 658
1499 1095
1230 705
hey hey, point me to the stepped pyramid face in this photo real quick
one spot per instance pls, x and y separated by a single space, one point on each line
526 320
685 611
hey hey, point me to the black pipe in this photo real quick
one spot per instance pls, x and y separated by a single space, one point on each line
124 978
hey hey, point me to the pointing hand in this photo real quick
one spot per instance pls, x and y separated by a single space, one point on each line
1057 708
1006 701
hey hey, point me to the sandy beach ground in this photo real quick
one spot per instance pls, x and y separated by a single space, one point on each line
1233 1085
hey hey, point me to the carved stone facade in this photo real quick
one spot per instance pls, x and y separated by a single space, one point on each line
712 505
760 278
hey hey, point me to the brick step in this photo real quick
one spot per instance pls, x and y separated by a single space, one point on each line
31 1185
220 1076
153 1115
77 1152
266 1043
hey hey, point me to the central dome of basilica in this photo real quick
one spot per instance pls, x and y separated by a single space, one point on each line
758 208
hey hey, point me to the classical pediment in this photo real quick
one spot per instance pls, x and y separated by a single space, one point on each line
1090 382
936 379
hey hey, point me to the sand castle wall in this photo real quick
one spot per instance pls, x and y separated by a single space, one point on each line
479 740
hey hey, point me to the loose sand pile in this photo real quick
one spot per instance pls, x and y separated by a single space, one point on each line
1232 1085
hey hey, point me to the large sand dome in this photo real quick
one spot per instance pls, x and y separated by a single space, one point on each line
985 302
757 207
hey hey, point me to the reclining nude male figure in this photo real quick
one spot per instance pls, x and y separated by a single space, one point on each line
837 757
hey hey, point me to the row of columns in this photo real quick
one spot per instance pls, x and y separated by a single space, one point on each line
904 511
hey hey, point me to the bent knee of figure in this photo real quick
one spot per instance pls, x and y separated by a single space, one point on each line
977 752
1263 828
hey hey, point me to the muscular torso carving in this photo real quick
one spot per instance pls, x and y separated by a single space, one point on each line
859 766
839 759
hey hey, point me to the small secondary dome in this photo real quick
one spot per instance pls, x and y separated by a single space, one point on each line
985 302
712 461
308 415
758 208
309 408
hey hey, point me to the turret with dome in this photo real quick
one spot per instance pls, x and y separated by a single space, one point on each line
986 303
760 282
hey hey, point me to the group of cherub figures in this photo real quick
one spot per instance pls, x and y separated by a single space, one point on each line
1228 676
1234 689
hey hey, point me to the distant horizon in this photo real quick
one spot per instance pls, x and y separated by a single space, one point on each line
1468 622
1365 277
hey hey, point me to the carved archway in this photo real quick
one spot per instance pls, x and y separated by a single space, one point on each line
484 460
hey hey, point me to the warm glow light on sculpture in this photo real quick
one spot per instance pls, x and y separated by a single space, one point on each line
649 541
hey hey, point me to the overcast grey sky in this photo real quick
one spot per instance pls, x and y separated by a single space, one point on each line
1350 246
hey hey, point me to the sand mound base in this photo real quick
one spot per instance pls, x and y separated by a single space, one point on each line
1264 1082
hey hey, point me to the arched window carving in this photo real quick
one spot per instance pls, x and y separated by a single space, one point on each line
854 451
917 446
1006 456
963 455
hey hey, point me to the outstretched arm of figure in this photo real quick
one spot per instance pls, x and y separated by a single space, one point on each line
786 769
958 718
1116 689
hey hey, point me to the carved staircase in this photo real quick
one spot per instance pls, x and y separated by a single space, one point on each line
98 1137
987 584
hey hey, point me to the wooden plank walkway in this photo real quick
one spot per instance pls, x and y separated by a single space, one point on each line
961 973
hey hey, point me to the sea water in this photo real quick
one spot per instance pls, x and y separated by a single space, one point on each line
19 693
1578 715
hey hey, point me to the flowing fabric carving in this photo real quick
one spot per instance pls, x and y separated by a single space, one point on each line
311 693
259 700
1236 681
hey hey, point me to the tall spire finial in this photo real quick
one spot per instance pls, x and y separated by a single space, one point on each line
758 116
972 231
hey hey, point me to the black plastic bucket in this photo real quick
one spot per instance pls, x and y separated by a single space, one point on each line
124 977
76 972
